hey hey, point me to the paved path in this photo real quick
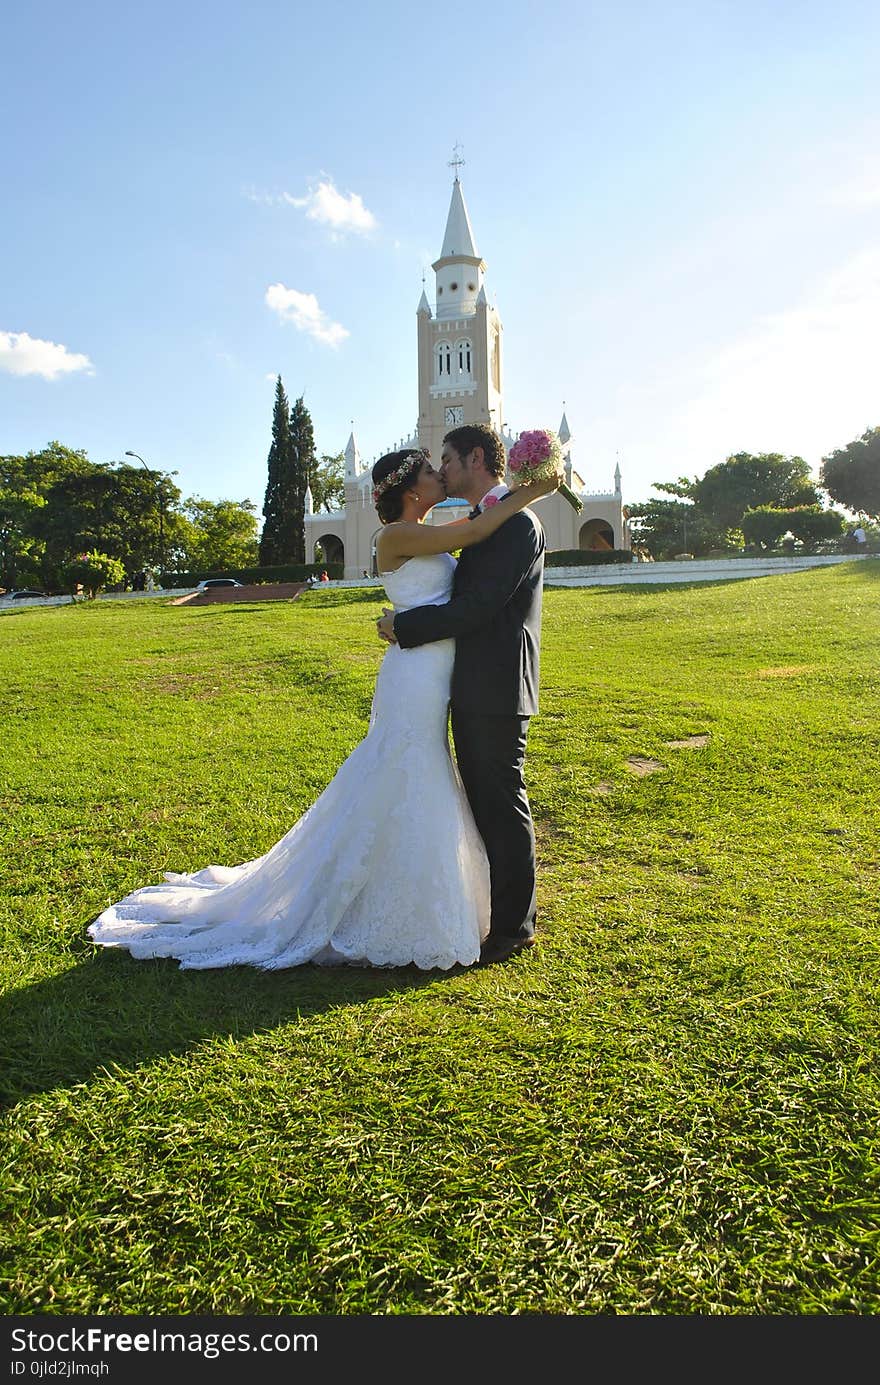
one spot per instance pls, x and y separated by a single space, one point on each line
267 591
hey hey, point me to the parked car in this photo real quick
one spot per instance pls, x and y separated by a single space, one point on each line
218 582
23 594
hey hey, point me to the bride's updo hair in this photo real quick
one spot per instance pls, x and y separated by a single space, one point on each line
393 475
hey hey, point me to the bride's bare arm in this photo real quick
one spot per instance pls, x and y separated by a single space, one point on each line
410 540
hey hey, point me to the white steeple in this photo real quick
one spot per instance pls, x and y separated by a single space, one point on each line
459 238
352 459
309 501
460 267
617 490
424 305
564 430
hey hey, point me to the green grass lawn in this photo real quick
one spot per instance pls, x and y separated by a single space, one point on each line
670 1107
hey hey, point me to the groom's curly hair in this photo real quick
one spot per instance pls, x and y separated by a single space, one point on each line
471 435
389 506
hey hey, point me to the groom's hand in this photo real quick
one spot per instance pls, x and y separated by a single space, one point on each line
385 626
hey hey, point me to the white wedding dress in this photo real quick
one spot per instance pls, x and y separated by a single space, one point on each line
385 869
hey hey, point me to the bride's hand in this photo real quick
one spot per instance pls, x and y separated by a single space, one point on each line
546 486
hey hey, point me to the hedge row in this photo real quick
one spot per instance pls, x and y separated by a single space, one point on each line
290 572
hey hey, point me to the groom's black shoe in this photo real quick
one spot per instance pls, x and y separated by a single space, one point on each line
500 948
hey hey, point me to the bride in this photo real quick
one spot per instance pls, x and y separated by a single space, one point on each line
386 868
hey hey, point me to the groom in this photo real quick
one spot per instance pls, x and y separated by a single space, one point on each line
494 617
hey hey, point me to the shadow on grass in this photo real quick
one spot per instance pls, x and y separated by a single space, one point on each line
642 588
867 568
110 1009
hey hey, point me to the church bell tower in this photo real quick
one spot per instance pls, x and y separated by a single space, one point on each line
459 343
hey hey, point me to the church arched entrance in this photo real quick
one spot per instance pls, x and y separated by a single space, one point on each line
332 548
596 534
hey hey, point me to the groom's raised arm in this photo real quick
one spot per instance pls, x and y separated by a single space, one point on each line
505 561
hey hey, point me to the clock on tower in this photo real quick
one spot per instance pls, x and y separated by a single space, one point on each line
454 415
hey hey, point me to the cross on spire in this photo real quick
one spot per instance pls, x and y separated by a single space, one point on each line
456 161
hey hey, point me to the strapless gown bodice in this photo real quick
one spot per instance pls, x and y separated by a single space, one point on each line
420 581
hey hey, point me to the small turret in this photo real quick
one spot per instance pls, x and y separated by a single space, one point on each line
352 459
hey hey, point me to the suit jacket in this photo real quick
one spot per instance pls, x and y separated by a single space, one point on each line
494 616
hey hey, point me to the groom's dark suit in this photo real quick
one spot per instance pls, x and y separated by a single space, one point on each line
494 617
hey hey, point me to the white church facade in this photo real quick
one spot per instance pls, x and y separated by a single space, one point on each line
460 380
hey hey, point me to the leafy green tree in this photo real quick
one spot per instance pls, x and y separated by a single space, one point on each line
683 488
24 484
278 482
119 511
219 534
766 524
327 483
41 469
813 525
56 503
667 527
746 482
851 474
94 572
20 552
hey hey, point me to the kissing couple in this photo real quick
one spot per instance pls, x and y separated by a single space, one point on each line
408 857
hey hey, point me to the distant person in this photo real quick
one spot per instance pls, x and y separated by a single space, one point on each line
860 539
324 577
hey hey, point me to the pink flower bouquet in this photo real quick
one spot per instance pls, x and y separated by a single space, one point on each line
536 455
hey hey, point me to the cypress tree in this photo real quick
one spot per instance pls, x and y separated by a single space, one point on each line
272 539
302 464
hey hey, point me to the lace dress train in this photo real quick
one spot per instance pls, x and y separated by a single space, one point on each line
385 869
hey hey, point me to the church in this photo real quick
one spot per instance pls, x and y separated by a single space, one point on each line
461 377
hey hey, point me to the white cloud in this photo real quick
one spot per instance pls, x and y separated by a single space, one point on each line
21 354
802 381
306 314
341 212
858 192
262 199
846 173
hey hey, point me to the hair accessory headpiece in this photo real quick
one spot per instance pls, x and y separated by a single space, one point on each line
394 478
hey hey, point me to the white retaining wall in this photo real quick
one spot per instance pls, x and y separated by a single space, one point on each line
599 575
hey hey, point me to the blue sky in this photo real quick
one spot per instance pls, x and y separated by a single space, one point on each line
678 204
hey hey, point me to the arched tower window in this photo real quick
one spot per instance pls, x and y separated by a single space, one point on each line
443 359
463 357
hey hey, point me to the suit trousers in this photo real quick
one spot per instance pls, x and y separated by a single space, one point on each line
490 753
